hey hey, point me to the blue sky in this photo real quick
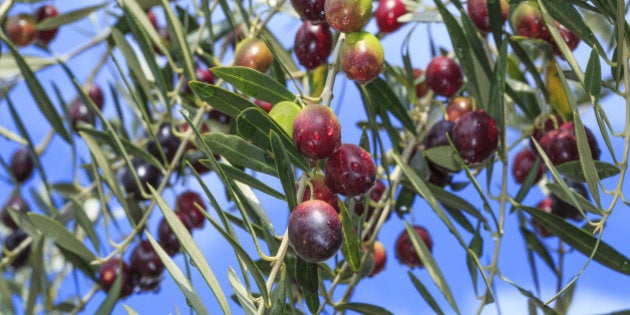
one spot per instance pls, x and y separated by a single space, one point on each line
599 290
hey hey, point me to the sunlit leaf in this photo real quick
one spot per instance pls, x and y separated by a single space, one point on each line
254 83
240 152
581 240
351 246
186 241
57 232
68 17
180 279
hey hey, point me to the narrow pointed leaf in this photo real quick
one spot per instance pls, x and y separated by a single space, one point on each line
254 83
241 293
383 95
247 260
57 232
593 76
306 277
240 152
285 171
178 37
351 246
426 295
251 181
573 170
44 104
186 240
68 17
431 266
363 308
582 241
221 99
180 279
255 125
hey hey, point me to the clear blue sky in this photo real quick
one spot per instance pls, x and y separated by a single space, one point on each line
599 289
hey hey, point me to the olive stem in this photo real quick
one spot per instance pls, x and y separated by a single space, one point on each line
332 71
279 262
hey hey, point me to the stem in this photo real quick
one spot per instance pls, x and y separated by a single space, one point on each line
278 263
327 93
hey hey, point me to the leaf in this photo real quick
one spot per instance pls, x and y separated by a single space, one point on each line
285 172
60 235
68 17
103 164
383 96
431 266
187 242
443 156
247 260
180 279
426 295
558 190
10 68
220 99
573 170
351 246
37 91
241 293
38 276
255 125
566 14
535 244
112 297
363 308
178 38
128 146
250 181
306 277
581 240
130 311
240 152
254 83
593 76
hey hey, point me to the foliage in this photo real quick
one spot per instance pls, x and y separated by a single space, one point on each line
513 78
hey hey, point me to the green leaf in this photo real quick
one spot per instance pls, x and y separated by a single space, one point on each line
560 192
103 163
44 104
247 260
382 95
187 242
285 171
128 146
431 266
593 76
426 295
84 222
566 14
241 293
539 247
130 311
38 281
132 61
68 17
57 232
573 170
363 308
240 152
221 99
250 181
112 296
443 156
178 38
9 67
180 279
254 83
255 125
351 246
306 277
581 240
